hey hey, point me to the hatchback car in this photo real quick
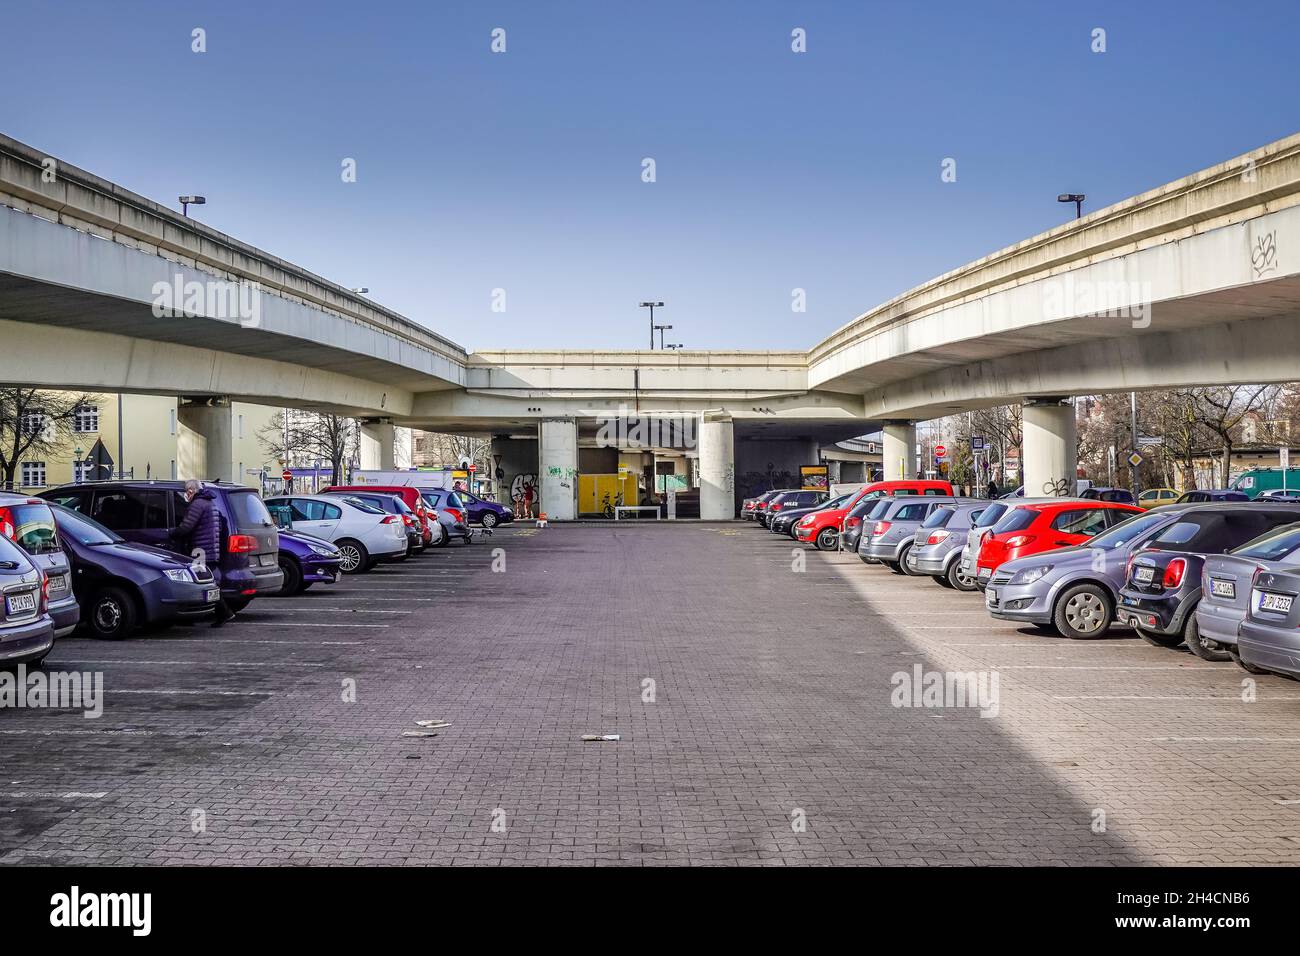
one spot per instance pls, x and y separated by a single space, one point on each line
1154 497
363 534
785 521
433 534
29 522
489 514
146 512
1226 582
1074 590
765 499
1027 529
822 528
794 500
393 505
891 537
26 628
122 586
938 543
1163 586
1122 495
451 513
305 560
1269 637
1205 496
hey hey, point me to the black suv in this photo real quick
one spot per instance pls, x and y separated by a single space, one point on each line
144 512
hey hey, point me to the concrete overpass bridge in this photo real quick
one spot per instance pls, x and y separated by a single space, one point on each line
1195 282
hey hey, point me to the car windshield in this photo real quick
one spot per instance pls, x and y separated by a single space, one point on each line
83 530
248 510
1127 531
1017 519
31 526
990 515
938 518
839 502
1274 546
453 500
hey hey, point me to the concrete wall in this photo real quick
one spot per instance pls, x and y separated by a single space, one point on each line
518 464
763 465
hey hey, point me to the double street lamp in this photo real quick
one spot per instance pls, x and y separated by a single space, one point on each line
652 306
1077 199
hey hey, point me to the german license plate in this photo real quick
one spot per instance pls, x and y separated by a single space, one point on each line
18 603
1224 589
1144 575
984 572
213 594
58 582
1275 602
992 596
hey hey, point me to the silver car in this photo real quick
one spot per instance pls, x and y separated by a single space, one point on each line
29 523
981 526
938 543
889 537
1226 582
1269 638
1074 590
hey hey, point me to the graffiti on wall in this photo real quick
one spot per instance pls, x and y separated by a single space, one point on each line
522 484
750 484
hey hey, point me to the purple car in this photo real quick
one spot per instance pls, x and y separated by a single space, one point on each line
306 560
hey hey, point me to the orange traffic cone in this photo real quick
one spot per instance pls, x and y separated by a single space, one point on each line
541 519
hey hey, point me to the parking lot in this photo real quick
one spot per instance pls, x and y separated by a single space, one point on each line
751 689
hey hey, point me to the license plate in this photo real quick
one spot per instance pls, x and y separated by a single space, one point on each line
58 582
18 603
1225 589
1275 602
984 572
1144 575
993 596
212 594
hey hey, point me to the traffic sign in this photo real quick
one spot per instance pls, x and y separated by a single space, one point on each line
940 451
977 442
472 469
288 475
1135 459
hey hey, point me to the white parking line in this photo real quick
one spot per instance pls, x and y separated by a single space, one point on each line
1104 667
53 795
109 732
200 640
301 624
1231 700
127 660
1225 740
191 693
340 607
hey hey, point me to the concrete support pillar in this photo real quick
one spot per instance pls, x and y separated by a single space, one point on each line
853 471
1049 456
558 459
205 439
833 472
717 469
377 437
900 450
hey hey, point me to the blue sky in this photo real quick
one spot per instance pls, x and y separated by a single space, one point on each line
522 171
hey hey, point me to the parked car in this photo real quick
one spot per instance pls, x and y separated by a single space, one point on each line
146 512
393 505
765 499
1258 481
1033 528
1122 495
792 500
1278 494
1227 580
859 519
1074 590
436 535
937 545
450 511
29 522
306 560
981 526
121 586
1155 497
891 537
1163 586
784 522
480 511
822 528
26 628
363 534
1205 496
1269 638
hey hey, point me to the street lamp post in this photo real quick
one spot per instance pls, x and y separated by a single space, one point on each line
661 335
188 201
652 306
1077 199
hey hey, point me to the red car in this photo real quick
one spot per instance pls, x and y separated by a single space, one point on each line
822 528
1044 526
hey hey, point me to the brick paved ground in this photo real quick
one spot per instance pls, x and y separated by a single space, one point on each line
772 697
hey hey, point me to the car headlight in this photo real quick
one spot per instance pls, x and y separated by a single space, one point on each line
179 574
1030 575
326 552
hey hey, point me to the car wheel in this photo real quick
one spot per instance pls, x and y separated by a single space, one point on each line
1082 612
941 580
489 519
893 566
827 539
112 614
1203 647
292 577
905 562
1248 668
960 581
355 556
900 566
1159 640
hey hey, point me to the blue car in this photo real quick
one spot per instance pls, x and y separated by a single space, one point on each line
487 513
306 560
121 586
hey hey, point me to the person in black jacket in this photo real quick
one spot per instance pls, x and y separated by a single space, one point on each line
199 532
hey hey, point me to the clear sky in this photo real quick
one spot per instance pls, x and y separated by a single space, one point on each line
522 170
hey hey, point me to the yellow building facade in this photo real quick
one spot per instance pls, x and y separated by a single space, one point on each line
147 446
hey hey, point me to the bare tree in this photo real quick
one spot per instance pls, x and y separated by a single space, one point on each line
310 437
1221 408
443 449
35 424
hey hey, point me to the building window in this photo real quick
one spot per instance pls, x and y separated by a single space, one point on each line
241 426
33 473
33 421
85 418
171 421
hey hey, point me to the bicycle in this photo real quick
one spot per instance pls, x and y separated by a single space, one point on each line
608 509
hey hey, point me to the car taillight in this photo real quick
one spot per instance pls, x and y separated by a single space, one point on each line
6 522
456 515
1174 573
852 522
936 537
777 506
45 591
241 544
408 520
388 519
1019 541
881 527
